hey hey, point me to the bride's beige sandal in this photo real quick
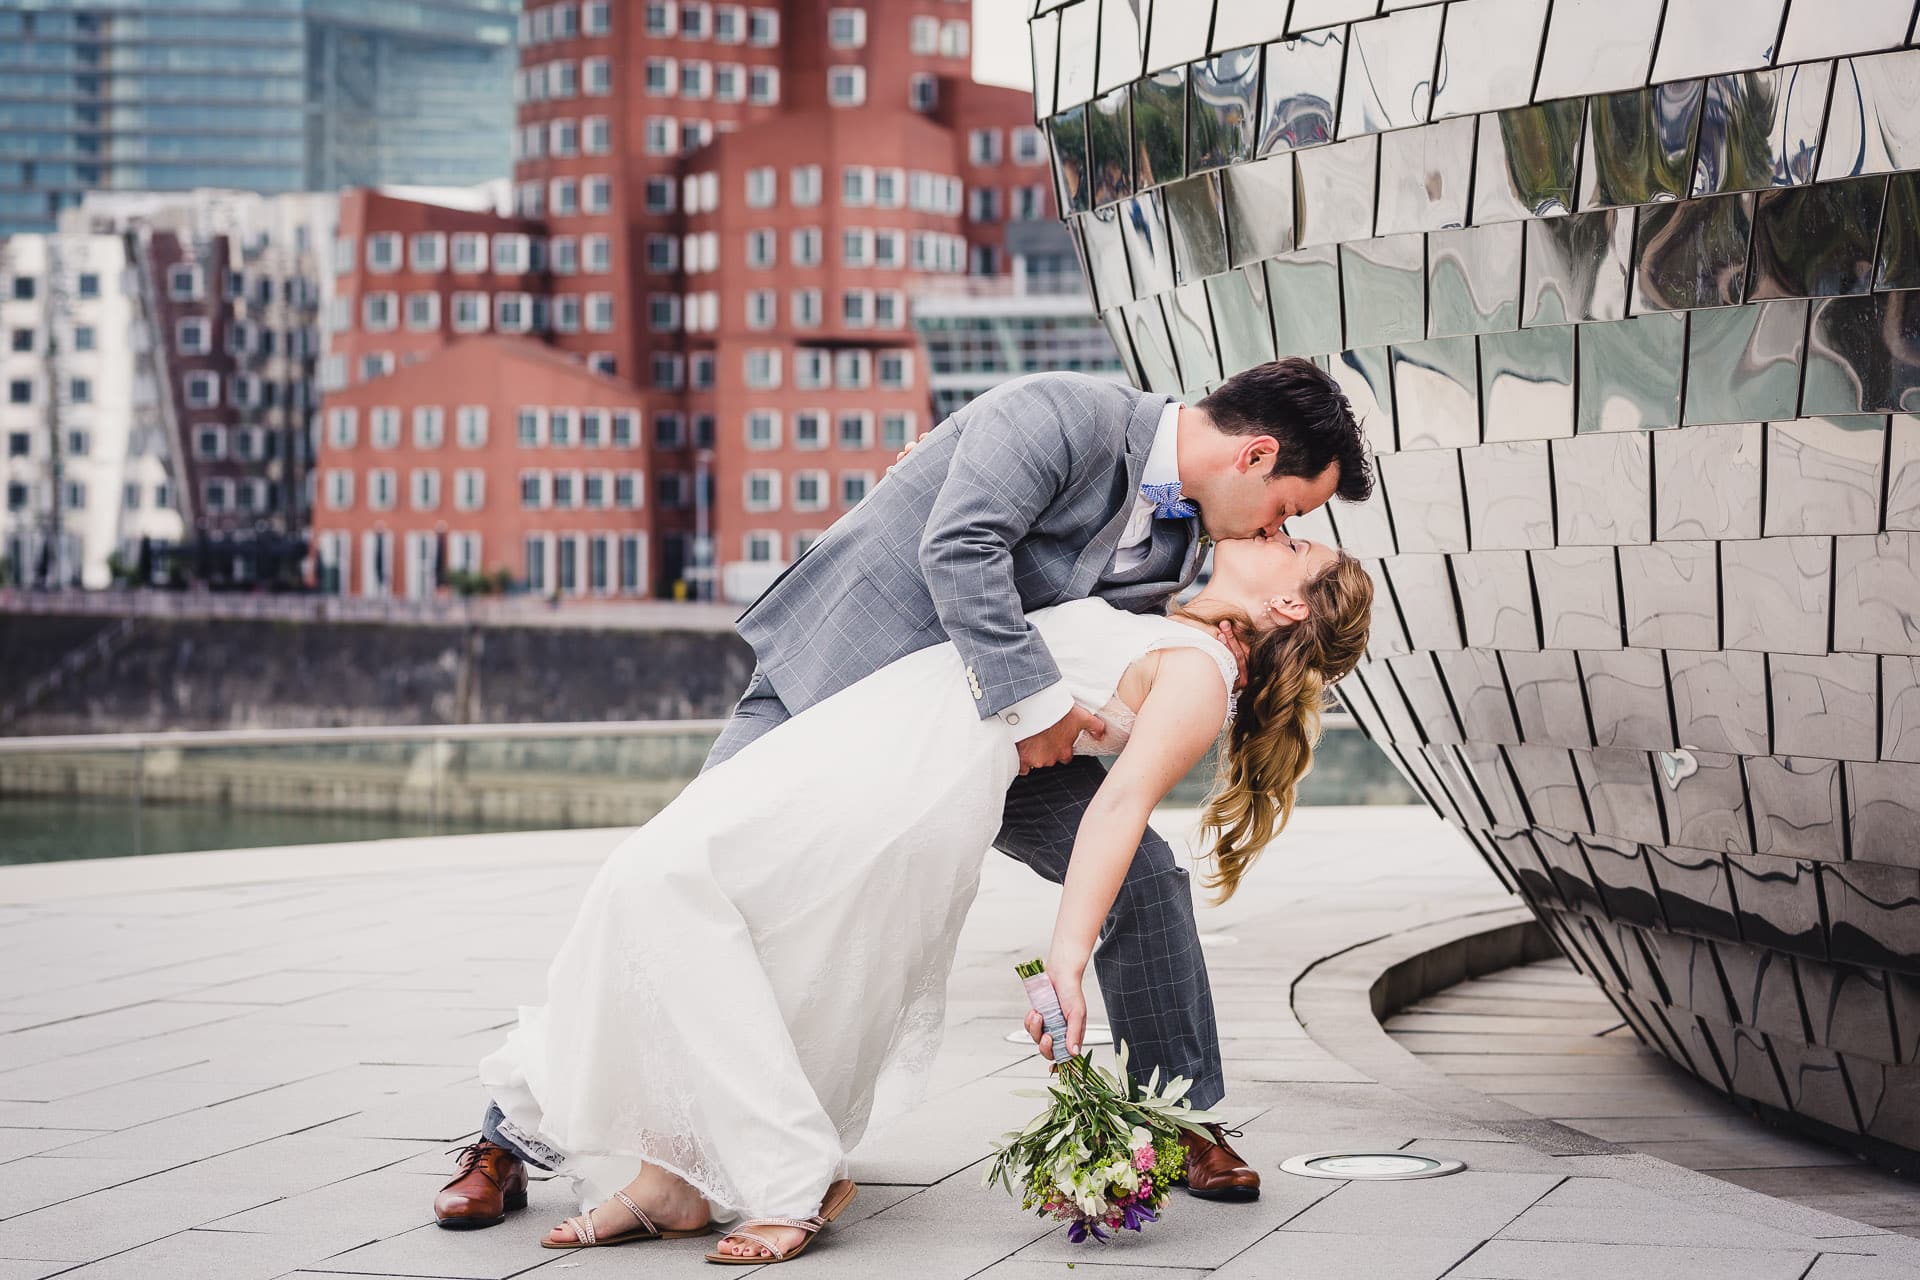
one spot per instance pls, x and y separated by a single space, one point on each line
839 1196
585 1236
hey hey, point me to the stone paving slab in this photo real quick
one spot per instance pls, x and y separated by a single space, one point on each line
248 1066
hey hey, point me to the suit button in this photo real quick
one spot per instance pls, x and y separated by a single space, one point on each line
1013 718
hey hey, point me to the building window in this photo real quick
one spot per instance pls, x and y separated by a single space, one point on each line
626 429
846 28
192 337
696 20
383 427
627 490
923 91
600 312
763 85
853 370
597 253
762 368
763 27
210 443
663 253
660 76
564 489
856 247
339 490
856 185
661 15
896 431
668 370
203 391
429 426
383 251
896 369
762 308
599 136
763 187
597 195
533 490
729 82
669 431
429 251
809 490
760 247
382 489
593 428
925 35
597 75
1028 146
805 308
763 429
560 428
762 490
810 429
984 205
343 427
425 491
856 306
470 426
955 39
890 249
696 79
511 253
423 312
531 427
812 369
593 490
512 312
596 17
854 486
469 312
380 312
729 23
565 194
469 489
889 188
703 370
469 251
856 429
846 86
805 245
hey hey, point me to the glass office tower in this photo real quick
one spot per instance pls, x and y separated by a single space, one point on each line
266 95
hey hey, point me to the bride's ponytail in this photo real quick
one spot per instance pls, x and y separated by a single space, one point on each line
1276 723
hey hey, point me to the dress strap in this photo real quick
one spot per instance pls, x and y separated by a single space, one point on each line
1180 636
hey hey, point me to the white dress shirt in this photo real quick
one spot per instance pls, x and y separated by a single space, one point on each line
1041 711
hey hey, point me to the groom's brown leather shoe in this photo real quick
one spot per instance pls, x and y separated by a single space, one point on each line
1215 1170
491 1181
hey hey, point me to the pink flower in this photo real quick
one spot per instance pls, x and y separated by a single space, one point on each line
1143 1158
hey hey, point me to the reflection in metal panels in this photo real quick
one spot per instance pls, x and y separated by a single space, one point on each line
1628 301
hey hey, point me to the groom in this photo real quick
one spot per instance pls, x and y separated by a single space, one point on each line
1048 488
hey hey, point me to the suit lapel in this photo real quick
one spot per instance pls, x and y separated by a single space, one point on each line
1099 552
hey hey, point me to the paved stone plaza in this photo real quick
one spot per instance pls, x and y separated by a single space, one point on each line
251 1065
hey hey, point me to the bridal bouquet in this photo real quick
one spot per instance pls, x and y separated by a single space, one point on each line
1105 1152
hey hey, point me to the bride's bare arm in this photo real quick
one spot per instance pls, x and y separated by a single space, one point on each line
1178 720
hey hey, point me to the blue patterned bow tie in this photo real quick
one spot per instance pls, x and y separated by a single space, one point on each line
1167 502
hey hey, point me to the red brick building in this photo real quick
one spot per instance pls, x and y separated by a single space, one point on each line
731 207
497 454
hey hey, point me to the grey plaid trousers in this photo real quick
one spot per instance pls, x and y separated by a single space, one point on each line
1152 974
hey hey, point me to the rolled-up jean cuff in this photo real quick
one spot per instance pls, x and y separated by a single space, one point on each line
490 1129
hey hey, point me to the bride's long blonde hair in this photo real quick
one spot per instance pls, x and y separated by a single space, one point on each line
1276 723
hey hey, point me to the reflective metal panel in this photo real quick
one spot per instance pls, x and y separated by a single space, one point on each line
1174 37
1424 177
1301 86
1671 594
1598 46
1720 701
1198 232
1303 290
1863 355
1639 145
1525 161
1474 279
1701 37
1107 257
1496 600
1761 129
1384 284
1239 301
1143 229
1390 67
1817 30
1366 377
1824 705
1900 236
1692 254
1903 474
1192 322
1526 381
1160 127
1078 52
1110 145
1308 14
1577 268
1243 22
1744 362
1777 592
1601 489
1873 125
1121 45
1437 389
1489 51
1710 482
1628 377
1259 204
1818 241
1579 592
1069 131
1221 112
1424 484
1335 190
1044 35
1510 494
1823 475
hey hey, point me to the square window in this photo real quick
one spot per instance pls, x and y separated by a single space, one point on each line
846 86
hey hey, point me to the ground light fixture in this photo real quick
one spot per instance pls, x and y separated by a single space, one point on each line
1370 1166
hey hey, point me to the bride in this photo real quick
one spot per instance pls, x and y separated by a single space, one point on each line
761 969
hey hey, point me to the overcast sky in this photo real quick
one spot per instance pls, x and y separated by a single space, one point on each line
1000 53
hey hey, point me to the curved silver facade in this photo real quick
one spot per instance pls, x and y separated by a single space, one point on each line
1619 288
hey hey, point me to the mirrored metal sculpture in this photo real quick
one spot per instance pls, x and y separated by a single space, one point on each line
1627 296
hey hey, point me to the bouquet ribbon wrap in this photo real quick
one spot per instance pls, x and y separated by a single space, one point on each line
1046 1002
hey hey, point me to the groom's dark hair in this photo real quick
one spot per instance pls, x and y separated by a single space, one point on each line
1300 405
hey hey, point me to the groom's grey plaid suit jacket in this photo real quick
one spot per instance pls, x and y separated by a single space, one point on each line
1014 503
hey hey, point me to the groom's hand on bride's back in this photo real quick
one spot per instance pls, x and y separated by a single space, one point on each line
1055 745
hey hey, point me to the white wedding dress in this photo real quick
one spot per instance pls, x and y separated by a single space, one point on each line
758 963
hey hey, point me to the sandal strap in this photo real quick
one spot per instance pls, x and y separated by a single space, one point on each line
742 1233
583 1229
646 1223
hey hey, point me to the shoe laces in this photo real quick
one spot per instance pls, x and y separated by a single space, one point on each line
471 1153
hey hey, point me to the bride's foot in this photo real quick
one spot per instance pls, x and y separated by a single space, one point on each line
788 1238
671 1204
